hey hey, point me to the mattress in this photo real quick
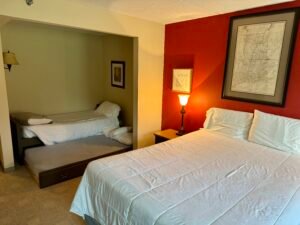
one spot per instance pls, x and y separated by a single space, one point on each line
65 118
198 179
70 126
45 158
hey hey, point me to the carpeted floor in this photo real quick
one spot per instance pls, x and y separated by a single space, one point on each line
23 203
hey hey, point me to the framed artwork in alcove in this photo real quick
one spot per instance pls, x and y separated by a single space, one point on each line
118 74
259 54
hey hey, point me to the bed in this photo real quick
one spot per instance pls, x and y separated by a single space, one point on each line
56 163
63 127
201 178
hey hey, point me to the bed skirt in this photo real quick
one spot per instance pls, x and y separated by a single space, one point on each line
90 221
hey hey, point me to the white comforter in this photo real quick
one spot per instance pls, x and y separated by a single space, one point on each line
199 179
70 126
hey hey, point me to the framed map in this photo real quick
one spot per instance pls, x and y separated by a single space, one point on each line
182 80
259 55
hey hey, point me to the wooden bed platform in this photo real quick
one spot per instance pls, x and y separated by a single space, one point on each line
56 163
20 144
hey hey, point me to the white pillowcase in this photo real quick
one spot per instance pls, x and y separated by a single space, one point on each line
231 123
107 131
108 109
274 131
125 138
121 134
116 131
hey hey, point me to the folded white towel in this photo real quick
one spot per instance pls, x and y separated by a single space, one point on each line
41 121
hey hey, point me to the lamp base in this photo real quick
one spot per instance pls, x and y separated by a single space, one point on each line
180 132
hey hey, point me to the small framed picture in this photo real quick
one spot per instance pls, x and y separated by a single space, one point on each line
118 74
182 80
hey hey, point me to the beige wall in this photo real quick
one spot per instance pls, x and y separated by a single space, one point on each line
120 49
61 70
65 70
87 15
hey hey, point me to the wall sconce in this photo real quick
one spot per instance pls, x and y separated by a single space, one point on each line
29 2
183 99
9 59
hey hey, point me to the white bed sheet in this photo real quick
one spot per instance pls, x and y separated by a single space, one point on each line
199 179
75 116
70 126
66 118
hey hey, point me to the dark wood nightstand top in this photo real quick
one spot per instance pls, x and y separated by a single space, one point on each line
165 135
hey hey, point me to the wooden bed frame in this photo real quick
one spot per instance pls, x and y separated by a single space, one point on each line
20 144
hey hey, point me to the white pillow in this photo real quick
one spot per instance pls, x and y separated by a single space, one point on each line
278 132
121 134
107 131
120 131
108 109
114 132
231 123
124 138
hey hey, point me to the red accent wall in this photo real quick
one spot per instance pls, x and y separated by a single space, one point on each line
201 44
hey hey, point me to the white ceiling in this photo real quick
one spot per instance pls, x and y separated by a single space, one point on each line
170 11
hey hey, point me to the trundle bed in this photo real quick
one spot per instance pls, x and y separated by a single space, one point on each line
56 163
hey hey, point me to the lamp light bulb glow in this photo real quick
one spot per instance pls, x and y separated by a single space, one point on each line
183 99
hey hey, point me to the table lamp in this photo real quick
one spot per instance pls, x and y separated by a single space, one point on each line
183 99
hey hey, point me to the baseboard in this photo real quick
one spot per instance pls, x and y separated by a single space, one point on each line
9 169
6 170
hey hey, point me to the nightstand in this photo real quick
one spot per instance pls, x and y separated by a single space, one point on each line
165 135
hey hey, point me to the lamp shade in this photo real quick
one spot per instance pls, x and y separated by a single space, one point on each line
183 99
9 58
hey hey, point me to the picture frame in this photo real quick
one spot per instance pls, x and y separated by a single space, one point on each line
118 74
259 54
182 80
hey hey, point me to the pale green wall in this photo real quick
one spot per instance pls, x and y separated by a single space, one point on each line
61 70
65 70
148 57
119 48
